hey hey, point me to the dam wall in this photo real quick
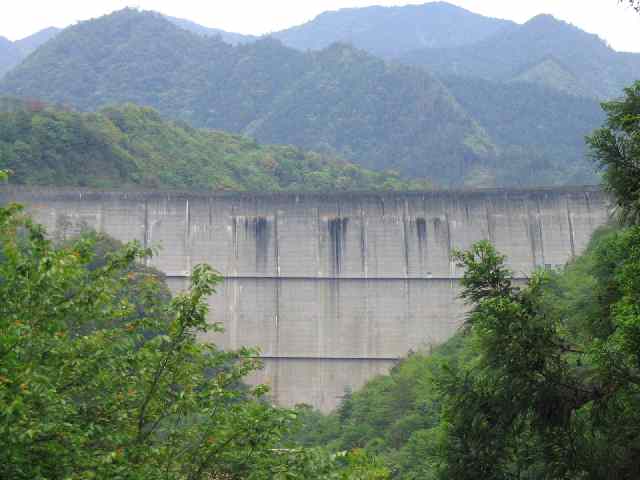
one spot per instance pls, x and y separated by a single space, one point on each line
333 288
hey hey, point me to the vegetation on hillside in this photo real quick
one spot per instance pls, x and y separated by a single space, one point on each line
12 53
508 112
9 56
341 100
543 50
102 375
131 146
542 380
392 31
538 131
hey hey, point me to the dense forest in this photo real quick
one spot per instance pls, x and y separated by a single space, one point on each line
538 131
340 100
130 146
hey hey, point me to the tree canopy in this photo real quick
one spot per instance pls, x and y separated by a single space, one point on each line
616 148
133 147
104 375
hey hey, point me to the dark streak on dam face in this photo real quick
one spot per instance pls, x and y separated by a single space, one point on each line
334 289
338 242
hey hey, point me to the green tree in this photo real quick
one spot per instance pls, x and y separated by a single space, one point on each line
553 390
109 401
104 375
616 148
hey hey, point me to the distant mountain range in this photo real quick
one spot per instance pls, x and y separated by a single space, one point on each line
393 31
12 53
339 100
544 51
459 98
229 37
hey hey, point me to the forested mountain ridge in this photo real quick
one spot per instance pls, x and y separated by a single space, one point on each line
544 50
12 53
133 147
30 43
524 128
393 31
9 55
229 37
538 131
260 88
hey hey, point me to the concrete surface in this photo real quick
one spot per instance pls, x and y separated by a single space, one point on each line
336 288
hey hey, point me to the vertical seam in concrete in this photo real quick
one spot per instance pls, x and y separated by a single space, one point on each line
187 234
529 228
541 232
319 249
587 200
187 229
489 226
234 232
425 250
449 245
338 246
363 241
146 229
405 235
101 223
276 242
571 231
210 213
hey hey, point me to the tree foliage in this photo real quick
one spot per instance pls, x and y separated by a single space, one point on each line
102 374
616 148
130 146
341 100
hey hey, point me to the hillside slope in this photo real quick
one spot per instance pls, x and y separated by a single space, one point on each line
229 37
538 131
30 43
9 55
130 146
12 53
384 116
545 51
393 31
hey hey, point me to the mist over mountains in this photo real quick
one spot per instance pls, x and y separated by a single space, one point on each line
429 91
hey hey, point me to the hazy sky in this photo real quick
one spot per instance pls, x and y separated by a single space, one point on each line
618 25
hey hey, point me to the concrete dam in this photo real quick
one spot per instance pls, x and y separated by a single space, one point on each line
334 289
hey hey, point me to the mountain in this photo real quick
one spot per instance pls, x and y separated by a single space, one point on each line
393 31
9 55
538 131
131 146
12 53
229 37
30 43
340 100
545 51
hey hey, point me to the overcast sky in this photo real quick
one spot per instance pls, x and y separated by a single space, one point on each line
620 26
